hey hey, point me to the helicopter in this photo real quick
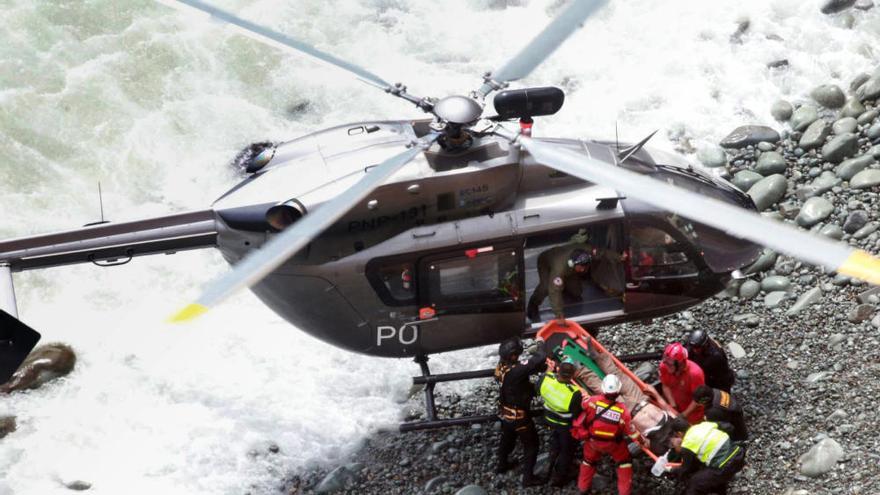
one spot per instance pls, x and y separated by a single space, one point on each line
412 237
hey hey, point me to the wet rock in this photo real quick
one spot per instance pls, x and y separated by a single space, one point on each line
336 480
812 296
864 4
770 163
750 320
865 231
867 117
775 283
874 132
849 168
834 6
435 484
803 117
865 179
749 135
844 125
736 351
870 90
472 490
857 81
853 108
841 147
860 313
821 458
773 299
765 261
829 96
78 485
45 363
749 289
781 110
866 296
832 231
855 221
815 135
768 191
814 211
745 179
789 209
7 425
712 156
781 63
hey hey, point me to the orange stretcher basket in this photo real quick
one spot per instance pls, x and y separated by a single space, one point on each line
583 339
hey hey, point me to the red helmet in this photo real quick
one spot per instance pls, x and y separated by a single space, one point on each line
675 352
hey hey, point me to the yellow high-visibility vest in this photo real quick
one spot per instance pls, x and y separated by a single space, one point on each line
557 399
705 440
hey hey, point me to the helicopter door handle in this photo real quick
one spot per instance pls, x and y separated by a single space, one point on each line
426 234
533 215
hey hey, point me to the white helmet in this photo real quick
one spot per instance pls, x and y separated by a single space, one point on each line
611 384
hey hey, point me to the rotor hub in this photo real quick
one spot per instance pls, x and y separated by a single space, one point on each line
458 110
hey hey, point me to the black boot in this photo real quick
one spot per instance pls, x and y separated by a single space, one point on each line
533 481
505 466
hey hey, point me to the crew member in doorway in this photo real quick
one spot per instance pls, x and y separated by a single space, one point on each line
515 400
606 428
560 272
709 458
562 403
723 408
680 377
709 355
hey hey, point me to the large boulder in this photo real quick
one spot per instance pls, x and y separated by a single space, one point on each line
745 179
815 135
829 96
749 135
770 163
43 364
781 110
840 147
821 458
865 179
870 90
849 168
834 6
768 191
814 211
803 117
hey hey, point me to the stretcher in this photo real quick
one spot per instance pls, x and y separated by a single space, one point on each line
651 414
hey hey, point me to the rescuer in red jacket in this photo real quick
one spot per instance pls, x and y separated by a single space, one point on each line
605 427
680 377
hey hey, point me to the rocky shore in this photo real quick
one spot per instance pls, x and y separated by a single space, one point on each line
805 343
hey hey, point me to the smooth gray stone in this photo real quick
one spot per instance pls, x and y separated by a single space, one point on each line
850 167
853 108
832 231
867 117
781 110
712 156
858 81
765 146
864 297
749 135
434 484
809 297
751 320
834 6
814 211
768 191
870 90
78 485
736 350
818 376
336 480
860 313
773 299
821 458
789 209
865 231
472 490
874 151
844 125
775 283
840 147
873 132
770 163
855 221
815 135
865 179
766 260
829 96
749 289
820 185
803 117
745 179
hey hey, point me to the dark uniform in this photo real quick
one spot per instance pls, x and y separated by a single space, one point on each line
726 409
516 421
709 459
557 277
562 403
713 361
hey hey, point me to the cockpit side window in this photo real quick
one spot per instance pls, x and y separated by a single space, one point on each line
657 254
394 281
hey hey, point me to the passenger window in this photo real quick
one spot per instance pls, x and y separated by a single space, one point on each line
478 277
657 254
394 282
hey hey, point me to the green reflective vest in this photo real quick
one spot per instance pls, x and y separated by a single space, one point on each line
711 445
557 399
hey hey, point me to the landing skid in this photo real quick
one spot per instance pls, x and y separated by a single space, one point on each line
429 381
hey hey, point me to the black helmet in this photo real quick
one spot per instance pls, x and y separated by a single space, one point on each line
510 347
698 338
579 257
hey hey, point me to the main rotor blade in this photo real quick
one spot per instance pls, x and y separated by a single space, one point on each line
565 23
274 253
739 222
279 40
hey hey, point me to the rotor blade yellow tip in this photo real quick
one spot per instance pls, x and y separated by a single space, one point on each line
190 312
863 266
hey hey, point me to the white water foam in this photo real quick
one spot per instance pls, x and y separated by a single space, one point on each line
154 104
